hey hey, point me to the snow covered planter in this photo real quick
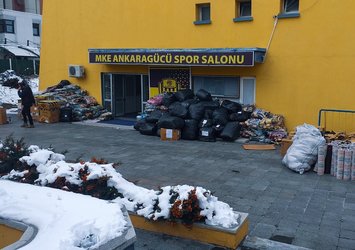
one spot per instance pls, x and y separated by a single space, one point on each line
64 220
182 204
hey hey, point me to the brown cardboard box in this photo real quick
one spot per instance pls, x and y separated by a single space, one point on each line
169 134
285 144
35 112
49 111
3 117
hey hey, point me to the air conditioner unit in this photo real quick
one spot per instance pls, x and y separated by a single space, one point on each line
76 71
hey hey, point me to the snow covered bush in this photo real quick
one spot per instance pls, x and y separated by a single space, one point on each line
11 151
185 203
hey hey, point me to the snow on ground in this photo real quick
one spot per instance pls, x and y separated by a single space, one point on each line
10 96
65 220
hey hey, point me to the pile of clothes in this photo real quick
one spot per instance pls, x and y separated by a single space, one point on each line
264 126
71 97
201 117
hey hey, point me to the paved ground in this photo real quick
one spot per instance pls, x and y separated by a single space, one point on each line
314 211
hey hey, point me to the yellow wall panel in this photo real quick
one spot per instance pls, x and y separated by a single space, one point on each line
308 66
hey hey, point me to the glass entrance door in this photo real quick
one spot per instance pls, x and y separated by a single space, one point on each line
107 92
124 95
119 95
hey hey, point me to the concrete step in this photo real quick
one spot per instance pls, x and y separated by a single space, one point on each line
256 243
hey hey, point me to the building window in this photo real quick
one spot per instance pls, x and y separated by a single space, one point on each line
240 89
19 5
218 86
244 8
247 95
289 9
243 11
7 26
203 13
290 6
35 27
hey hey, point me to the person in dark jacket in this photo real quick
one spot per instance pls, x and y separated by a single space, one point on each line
27 100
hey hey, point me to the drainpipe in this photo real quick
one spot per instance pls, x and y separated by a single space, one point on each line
271 36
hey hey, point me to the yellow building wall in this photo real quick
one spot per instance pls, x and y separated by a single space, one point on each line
308 66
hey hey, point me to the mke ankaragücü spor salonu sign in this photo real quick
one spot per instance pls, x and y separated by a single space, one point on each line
194 57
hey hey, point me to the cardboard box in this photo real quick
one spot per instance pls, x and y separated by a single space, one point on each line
35 112
169 134
285 144
49 111
3 117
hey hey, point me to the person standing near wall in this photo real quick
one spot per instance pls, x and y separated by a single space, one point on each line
27 100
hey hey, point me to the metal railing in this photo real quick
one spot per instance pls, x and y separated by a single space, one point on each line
344 121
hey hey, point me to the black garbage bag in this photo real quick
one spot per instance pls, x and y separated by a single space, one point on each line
188 102
203 95
239 117
138 124
218 129
231 131
190 130
66 114
196 111
176 109
158 132
248 114
148 129
232 107
207 134
208 114
168 99
211 105
205 123
154 116
63 83
185 94
220 116
171 122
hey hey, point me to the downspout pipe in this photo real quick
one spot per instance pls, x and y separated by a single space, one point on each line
276 19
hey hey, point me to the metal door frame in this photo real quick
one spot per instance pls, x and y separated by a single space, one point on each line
111 92
113 108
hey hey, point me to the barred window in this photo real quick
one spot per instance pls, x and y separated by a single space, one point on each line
7 26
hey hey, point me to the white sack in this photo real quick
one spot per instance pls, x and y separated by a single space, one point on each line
303 152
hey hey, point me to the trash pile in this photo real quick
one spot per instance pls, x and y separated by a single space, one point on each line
77 101
9 79
263 126
201 117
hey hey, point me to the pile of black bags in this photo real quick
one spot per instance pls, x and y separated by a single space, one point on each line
197 116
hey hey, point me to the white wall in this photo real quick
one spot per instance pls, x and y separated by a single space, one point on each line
23 27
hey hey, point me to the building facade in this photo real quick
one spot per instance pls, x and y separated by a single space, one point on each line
290 57
20 28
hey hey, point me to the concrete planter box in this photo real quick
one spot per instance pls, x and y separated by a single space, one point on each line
220 236
15 234
21 234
